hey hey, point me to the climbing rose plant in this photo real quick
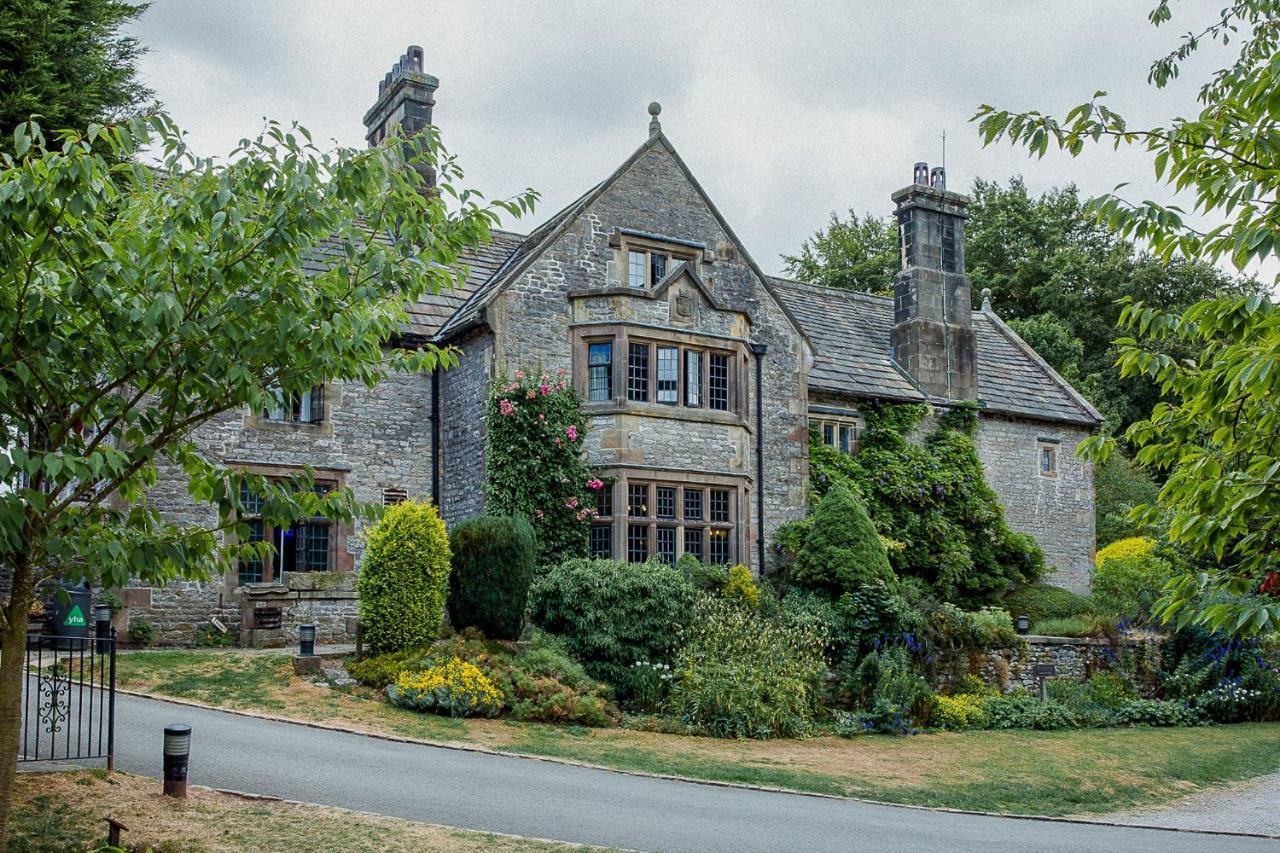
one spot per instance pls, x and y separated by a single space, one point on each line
535 461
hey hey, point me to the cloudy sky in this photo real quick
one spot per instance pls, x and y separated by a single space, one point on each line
784 111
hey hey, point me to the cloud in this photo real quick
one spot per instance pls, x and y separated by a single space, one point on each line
785 111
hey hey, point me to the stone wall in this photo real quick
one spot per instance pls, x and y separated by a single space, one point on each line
1074 659
371 439
463 398
1058 511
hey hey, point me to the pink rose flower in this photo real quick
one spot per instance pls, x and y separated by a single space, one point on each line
545 389
519 374
556 442
572 503
561 372
541 416
506 407
537 513
572 432
531 395
595 485
584 514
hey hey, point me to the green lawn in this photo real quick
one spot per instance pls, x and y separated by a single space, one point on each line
1052 773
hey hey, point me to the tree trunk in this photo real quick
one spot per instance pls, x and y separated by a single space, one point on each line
13 646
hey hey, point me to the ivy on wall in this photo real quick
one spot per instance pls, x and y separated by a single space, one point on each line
535 462
932 498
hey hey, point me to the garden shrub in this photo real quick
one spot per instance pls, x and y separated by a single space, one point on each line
740 588
959 713
612 614
534 461
1044 601
453 688
378 671
934 501
1228 681
842 551
704 576
142 631
1156 712
494 558
737 675
1130 586
1134 546
892 696
1021 710
403 578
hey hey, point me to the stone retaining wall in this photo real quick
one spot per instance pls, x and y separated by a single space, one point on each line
1074 659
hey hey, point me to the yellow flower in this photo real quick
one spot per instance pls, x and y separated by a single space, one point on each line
1134 546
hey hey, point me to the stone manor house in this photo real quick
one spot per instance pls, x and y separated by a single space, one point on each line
702 376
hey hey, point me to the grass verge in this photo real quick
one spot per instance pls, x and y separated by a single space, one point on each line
1023 772
65 812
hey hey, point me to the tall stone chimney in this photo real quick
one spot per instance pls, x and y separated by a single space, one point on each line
405 98
932 336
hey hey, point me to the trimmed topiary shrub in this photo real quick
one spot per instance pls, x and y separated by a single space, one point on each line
494 558
403 578
612 614
1040 601
842 551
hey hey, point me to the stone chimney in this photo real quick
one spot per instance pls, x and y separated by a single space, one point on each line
932 336
405 98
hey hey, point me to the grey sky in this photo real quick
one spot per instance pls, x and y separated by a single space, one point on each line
785 111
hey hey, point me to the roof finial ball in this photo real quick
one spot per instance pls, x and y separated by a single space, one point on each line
986 299
655 127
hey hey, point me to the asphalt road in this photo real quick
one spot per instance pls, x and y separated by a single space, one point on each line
548 800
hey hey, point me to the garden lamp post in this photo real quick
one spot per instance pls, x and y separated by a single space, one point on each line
177 751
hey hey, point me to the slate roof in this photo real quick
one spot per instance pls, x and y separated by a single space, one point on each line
850 332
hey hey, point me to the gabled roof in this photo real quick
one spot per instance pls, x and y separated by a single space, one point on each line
551 230
851 329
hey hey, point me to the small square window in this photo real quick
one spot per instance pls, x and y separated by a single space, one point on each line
719 508
693 541
666 502
637 543
667 544
604 501
602 541
692 504
638 501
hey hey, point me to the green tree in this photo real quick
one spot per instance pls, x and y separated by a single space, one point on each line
860 254
1054 341
1215 434
1119 485
139 302
842 551
68 63
403 578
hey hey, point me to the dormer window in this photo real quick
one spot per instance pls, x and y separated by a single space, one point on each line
645 269
649 259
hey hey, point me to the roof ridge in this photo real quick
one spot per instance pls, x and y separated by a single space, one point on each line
797 284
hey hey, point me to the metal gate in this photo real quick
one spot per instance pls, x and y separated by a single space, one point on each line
69 699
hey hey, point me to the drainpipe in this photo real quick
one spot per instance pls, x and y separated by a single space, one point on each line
435 436
759 350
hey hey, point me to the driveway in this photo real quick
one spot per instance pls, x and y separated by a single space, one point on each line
548 800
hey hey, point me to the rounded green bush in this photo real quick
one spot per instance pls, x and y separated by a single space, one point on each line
1130 586
612 614
403 578
842 551
494 558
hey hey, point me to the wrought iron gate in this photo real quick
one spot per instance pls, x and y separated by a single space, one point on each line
69 699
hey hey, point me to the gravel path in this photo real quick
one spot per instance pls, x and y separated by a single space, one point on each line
1252 806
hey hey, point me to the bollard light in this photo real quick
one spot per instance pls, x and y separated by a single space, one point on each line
1023 625
177 750
307 640
102 627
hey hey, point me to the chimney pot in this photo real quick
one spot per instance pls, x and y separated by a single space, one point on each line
938 178
921 174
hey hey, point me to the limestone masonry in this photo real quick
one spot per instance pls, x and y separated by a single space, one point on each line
701 374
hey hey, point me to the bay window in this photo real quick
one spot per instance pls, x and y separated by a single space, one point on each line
665 520
600 371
